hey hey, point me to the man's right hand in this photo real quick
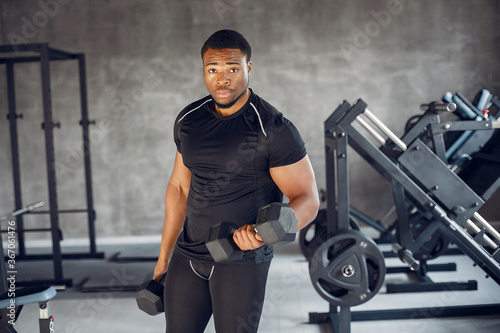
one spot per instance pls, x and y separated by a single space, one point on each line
160 269
246 238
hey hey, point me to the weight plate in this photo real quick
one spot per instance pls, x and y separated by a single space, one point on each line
348 269
435 245
313 235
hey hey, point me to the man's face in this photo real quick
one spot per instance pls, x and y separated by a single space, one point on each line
226 74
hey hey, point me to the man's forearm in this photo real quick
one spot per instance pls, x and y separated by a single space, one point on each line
305 207
175 213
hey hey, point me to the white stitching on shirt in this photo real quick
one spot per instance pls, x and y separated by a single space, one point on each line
196 108
260 121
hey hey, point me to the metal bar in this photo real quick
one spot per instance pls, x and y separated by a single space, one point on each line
404 233
337 115
64 211
444 267
385 129
50 160
66 256
33 47
438 107
32 230
26 59
365 219
387 215
492 189
425 313
345 319
8 48
331 166
16 169
370 130
60 54
36 47
22 211
3 271
393 288
486 238
485 224
358 108
331 195
342 180
58 285
406 257
15 60
330 142
86 151
439 146
465 102
464 125
330 151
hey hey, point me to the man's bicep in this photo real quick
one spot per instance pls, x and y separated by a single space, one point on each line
295 179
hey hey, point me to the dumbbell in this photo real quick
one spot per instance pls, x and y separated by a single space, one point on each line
149 295
276 224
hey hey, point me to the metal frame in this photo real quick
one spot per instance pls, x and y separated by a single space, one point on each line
43 54
339 133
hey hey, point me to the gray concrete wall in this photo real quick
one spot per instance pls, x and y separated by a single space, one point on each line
143 67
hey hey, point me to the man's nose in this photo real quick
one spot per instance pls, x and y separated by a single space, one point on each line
223 79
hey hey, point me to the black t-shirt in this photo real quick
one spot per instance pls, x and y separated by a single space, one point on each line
229 159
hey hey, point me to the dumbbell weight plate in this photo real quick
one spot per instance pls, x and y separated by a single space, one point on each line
220 242
149 296
276 223
348 269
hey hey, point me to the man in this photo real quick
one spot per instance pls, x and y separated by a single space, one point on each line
235 153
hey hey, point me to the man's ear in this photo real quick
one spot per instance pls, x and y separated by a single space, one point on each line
249 65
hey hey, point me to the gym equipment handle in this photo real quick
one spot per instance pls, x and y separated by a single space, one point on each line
439 107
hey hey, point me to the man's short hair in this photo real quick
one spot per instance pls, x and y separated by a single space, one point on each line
227 39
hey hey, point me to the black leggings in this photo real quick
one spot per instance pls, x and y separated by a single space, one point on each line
234 294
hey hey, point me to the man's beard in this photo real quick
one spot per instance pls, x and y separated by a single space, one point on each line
228 105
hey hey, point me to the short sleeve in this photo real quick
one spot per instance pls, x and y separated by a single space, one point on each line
284 143
177 133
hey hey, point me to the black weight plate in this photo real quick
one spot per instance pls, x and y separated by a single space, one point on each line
313 235
348 269
436 244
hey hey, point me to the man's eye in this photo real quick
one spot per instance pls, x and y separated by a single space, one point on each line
211 71
233 70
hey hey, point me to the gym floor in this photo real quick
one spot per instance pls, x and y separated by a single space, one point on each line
101 299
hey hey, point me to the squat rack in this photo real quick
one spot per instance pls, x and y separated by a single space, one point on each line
42 53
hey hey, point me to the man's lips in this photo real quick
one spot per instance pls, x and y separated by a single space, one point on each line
223 93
